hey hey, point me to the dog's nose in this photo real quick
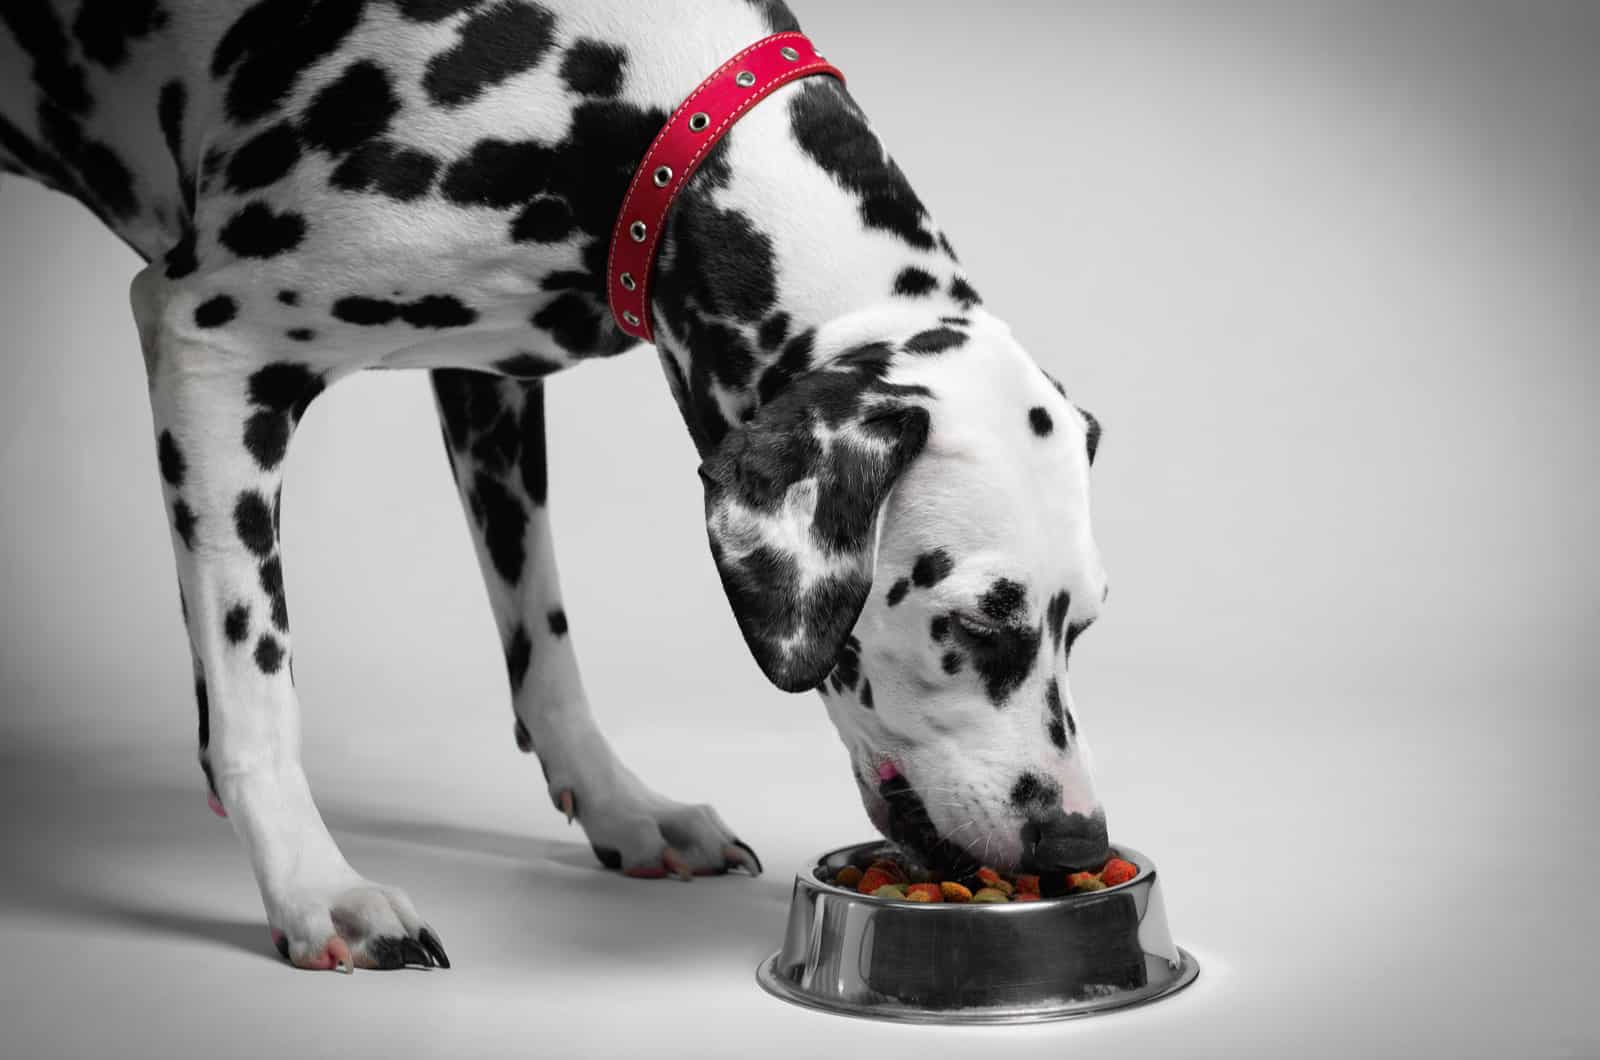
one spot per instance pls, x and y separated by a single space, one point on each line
1065 842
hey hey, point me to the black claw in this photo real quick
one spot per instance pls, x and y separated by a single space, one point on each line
524 738
281 941
430 942
611 859
414 953
742 845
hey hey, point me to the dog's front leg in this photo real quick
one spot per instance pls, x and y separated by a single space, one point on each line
223 416
494 433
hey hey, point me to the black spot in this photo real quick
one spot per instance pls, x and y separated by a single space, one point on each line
914 282
1041 422
609 857
202 699
504 523
526 366
170 108
356 107
385 168
257 232
495 44
936 340
1005 601
963 292
593 69
951 662
796 359
170 459
236 625
773 331
866 693
252 520
1029 791
534 465
932 568
558 622
106 28
544 220
847 666
897 591
433 10
269 654
430 311
271 44
289 297
284 386
266 436
835 134
572 320
180 261
215 312
301 334
939 627
183 521
524 738
264 159
519 652
1060 604
1053 707
1092 437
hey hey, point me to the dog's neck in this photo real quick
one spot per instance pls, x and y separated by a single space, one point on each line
799 238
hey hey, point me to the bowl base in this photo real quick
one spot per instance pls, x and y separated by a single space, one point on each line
779 986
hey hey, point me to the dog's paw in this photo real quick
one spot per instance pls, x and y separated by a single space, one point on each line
649 837
353 925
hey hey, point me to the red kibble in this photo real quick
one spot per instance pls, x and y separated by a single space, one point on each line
872 879
1118 871
1028 884
931 890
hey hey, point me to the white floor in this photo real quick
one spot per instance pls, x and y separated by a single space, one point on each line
1364 928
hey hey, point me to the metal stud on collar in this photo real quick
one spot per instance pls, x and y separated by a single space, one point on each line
628 282
698 121
662 176
788 53
638 231
630 318
745 79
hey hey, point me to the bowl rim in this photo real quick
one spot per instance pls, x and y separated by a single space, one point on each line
1146 867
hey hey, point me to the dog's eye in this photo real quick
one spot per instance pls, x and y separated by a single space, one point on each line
976 627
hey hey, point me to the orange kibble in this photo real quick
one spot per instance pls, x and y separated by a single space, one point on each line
1118 871
1027 884
919 896
954 892
924 892
988 877
1076 879
848 876
1025 896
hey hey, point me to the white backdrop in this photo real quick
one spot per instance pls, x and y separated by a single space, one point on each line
1326 273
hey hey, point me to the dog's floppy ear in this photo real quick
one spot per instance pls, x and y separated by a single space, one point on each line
792 501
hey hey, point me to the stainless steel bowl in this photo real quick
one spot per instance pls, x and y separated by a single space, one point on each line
1057 958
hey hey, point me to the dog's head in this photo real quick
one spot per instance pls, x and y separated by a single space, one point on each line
906 529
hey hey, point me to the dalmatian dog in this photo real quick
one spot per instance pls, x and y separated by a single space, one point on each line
896 495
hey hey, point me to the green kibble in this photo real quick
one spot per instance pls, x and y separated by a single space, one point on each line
891 890
990 894
1093 883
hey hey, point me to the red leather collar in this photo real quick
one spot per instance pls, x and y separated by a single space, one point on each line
677 151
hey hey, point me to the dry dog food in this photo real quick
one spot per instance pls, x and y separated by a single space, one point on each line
888 878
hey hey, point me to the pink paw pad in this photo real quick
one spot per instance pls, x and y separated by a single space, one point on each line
887 771
215 804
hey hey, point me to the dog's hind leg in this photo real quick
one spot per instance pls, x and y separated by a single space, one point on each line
495 437
223 416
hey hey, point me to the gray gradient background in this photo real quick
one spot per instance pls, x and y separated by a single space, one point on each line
1327 273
